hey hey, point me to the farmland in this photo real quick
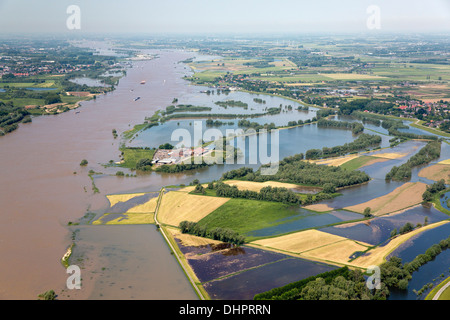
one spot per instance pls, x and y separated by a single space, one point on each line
402 197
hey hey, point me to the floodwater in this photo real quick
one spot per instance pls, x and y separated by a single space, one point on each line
44 188
435 271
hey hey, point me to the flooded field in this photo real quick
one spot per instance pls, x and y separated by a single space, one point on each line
244 285
47 190
240 273
434 271
377 230
305 220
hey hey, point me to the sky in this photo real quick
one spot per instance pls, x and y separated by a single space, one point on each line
224 16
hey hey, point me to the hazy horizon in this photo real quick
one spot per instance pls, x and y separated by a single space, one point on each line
230 17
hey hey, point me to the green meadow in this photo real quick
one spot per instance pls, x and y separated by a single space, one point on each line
243 216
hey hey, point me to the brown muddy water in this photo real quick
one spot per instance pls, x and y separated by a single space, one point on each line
40 194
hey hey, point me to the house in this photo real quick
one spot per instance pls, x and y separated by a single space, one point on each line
199 151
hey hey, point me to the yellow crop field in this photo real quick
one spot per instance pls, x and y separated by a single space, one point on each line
315 245
116 198
436 172
147 207
391 155
191 240
319 207
338 252
126 218
179 206
300 241
407 195
378 255
337 161
256 186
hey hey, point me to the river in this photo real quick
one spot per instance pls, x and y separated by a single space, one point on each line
44 188
41 192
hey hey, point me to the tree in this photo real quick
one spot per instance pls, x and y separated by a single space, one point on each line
427 196
144 164
199 189
83 162
367 213
394 233
48 295
166 146
329 188
53 98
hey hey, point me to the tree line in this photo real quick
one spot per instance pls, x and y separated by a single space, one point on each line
294 170
356 127
433 189
220 234
338 284
10 116
425 155
346 284
268 193
363 141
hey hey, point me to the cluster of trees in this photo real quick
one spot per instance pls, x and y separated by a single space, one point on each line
10 116
218 115
425 155
255 125
371 105
356 127
220 234
346 284
268 193
258 100
294 170
397 275
174 168
393 127
433 189
338 284
429 255
144 164
363 141
232 103
166 146
211 122
185 107
323 113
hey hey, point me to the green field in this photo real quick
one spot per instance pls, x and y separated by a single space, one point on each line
131 156
243 216
357 163
445 295
306 77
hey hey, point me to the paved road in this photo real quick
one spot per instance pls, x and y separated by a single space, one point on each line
438 294
161 193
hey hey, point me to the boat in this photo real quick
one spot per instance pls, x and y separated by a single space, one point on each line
143 82
137 98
